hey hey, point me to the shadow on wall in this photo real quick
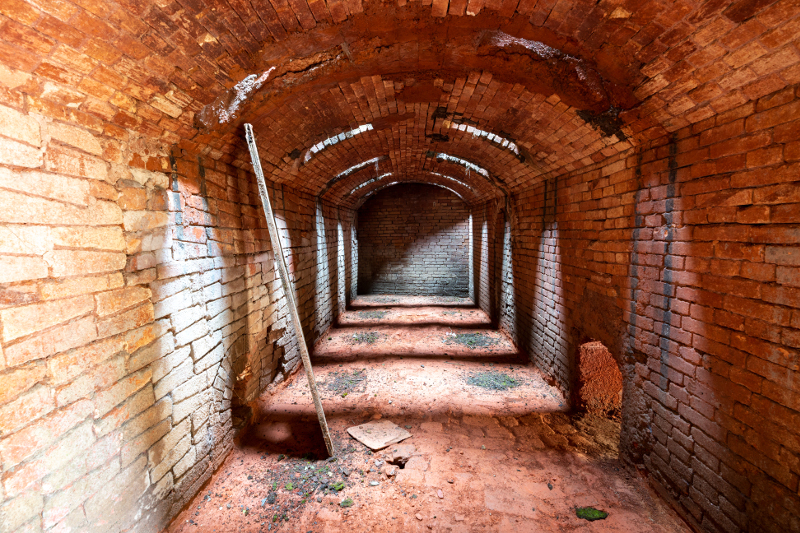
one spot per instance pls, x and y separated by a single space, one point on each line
212 335
551 301
222 326
414 239
487 258
333 265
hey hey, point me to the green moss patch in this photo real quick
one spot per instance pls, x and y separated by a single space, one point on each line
493 380
590 513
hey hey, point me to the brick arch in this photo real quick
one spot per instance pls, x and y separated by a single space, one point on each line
153 68
357 199
407 161
454 123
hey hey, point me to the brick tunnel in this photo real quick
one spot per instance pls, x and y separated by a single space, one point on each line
556 241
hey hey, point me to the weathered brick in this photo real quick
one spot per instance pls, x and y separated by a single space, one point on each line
146 355
783 255
186 317
101 376
21 209
119 497
106 238
19 380
79 262
30 240
63 502
191 333
144 220
788 276
182 372
19 155
76 137
107 399
186 462
66 366
109 303
25 409
20 127
15 512
126 321
138 445
147 177
56 340
67 161
164 105
53 186
166 453
185 408
194 385
21 321
118 416
22 268
133 199
69 445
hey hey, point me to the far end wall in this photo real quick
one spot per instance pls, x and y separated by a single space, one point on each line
414 239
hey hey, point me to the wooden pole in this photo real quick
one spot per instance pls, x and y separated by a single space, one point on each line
277 250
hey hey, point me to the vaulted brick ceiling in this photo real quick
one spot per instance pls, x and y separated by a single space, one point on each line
481 96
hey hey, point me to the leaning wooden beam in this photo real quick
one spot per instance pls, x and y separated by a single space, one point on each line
277 250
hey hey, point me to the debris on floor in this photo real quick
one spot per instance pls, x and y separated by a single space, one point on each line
399 455
378 434
504 461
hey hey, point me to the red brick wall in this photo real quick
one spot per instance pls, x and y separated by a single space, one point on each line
414 239
138 308
682 259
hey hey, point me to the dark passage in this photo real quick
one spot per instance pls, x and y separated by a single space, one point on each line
413 239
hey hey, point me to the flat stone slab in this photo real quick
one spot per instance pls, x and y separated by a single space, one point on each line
378 434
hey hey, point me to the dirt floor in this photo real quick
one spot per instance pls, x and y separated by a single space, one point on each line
493 448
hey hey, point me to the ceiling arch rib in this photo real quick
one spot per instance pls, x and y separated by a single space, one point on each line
359 197
520 54
382 187
406 153
549 138
474 177
305 155
646 58
467 191
517 88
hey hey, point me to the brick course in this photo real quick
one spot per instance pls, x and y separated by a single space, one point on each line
671 239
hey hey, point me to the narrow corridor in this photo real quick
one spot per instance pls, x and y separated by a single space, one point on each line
434 366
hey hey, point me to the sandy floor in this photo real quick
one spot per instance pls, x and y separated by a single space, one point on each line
485 459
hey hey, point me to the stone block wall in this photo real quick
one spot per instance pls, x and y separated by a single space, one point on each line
681 257
139 312
414 239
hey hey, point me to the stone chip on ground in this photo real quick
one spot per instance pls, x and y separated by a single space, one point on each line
399 455
378 434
